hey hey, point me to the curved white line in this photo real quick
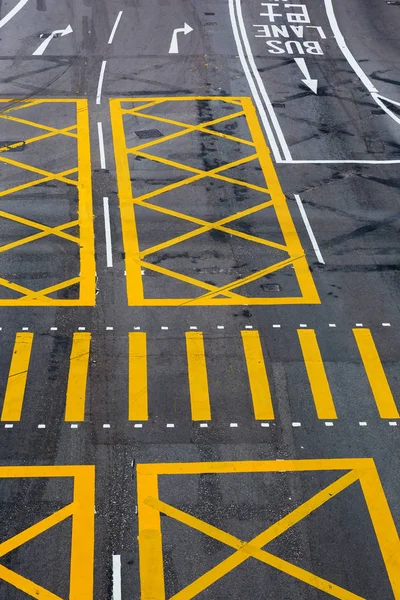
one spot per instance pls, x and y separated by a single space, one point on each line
13 12
353 63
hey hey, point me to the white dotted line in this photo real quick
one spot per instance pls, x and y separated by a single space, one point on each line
362 423
41 426
296 424
106 426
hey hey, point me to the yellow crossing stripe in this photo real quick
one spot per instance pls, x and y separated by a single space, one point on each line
198 381
16 383
85 267
316 374
376 375
80 511
150 507
138 400
77 377
291 252
140 368
259 386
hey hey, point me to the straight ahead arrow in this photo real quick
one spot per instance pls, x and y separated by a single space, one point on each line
173 49
311 83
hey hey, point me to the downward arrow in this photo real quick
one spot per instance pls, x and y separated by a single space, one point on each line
311 83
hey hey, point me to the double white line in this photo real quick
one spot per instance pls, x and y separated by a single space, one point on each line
271 125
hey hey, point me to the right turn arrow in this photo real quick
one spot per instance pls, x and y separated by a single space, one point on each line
311 83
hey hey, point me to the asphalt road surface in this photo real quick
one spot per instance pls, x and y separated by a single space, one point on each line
199 299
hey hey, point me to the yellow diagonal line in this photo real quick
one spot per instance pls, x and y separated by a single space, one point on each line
208 226
141 107
14 286
29 184
20 165
54 288
245 280
26 585
58 231
200 175
36 529
37 125
186 279
20 105
253 548
214 173
50 230
186 129
38 138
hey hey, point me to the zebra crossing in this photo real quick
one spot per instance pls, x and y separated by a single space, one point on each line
253 368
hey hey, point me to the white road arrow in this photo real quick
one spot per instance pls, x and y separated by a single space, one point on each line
311 83
173 49
56 33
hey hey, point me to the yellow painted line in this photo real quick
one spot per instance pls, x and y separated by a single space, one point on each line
316 374
81 509
15 391
198 380
77 377
150 541
150 507
84 272
259 386
138 393
376 375
291 249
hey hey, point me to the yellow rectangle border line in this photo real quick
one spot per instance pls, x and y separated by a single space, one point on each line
83 503
87 267
150 536
135 291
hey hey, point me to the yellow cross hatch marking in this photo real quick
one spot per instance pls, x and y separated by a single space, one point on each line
292 251
84 269
80 510
150 507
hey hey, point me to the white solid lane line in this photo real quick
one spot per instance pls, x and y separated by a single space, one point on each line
13 12
252 85
107 228
114 29
100 84
101 145
341 42
340 162
309 229
260 83
117 587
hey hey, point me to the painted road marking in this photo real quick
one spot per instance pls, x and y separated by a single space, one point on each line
259 385
173 49
376 375
101 146
114 29
81 514
316 375
13 12
196 355
309 229
100 82
256 83
138 399
151 506
84 270
77 377
289 254
117 583
16 383
107 229
197 373
58 32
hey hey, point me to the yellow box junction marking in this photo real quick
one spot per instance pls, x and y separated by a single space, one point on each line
81 510
292 251
85 274
316 374
376 375
198 380
16 383
77 377
150 536
259 386
137 369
